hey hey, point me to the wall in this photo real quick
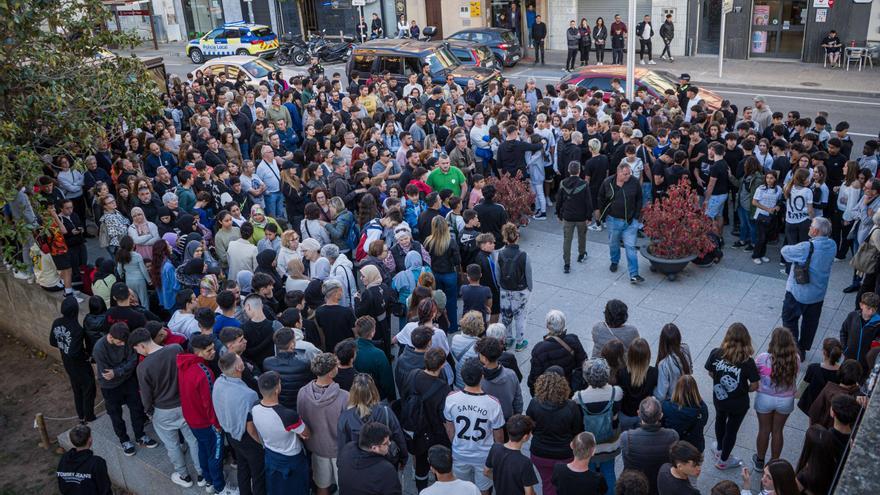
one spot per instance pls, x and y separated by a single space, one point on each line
851 20
30 311
679 20
738 30
562 11
452 22
874 22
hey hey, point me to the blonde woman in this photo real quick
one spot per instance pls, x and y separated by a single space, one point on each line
364 407
445 260
296 276
637 380
289 250
472 328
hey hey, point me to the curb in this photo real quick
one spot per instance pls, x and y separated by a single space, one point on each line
799 89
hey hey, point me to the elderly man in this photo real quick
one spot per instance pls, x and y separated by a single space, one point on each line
620 201
462 157
802 306
270 174
646 448
558 348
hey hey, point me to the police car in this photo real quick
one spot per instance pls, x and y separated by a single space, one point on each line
234 38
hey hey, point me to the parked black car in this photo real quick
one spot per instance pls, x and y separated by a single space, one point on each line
503 43
402 57
472 53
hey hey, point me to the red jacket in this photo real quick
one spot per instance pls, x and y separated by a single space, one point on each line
195 381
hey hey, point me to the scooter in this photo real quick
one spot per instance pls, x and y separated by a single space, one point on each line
330 52
293 49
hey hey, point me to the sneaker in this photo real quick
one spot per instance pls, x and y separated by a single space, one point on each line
184 480
732 462
662 57
756 261
613 267
508 344
781 263
601 63
636 279
210 490
20 275
651 62
738 244
229 491
146 441
201 481
765 259
128 449
758 463
522 345
749 247
540 216
671 59
641 62
582 257
782 271
595 227
566 269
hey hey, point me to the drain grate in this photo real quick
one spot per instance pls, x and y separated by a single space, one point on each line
810 84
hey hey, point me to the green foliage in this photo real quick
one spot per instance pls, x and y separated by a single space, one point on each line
57 95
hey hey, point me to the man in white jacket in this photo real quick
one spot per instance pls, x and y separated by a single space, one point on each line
342 269
183 321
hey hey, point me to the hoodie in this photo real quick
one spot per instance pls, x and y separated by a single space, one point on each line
574 202
689 422
68 335
184 324
366 473
407 280
81 472
856 335
502 384
195 381
320 408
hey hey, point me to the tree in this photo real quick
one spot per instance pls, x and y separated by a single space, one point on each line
58 95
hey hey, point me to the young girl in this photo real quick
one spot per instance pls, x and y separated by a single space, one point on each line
751 179
535 160
766 203
848 196
798 209
686 413
818 374
673 361
774 402
734 374
820 191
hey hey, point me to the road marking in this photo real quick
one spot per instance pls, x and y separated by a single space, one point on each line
854 102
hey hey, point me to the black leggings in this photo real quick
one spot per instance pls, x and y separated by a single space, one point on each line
572 55
585 54
726 427
600 53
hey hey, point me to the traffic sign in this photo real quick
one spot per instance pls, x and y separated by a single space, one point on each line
358 3
726 6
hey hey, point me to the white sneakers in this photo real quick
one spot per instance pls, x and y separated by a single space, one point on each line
177 479
651 62
641 62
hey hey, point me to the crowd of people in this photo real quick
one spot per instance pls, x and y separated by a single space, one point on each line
281 272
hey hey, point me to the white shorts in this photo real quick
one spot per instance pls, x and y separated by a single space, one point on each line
324 471
766 404
471 472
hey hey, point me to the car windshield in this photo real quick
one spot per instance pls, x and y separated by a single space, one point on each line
508 37
259 68
659 81
441 59
260 32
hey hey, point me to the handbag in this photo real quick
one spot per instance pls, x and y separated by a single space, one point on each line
802 272
854 230
865 259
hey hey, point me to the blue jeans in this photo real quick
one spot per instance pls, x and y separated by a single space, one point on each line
748 232
617 229
286 474
211 456
448 283
607 470
275 205
647 193
245 148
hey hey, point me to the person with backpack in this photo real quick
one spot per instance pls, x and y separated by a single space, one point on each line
498 381
445 263
515 278
375 230
421 411
342 227
600 405
364 406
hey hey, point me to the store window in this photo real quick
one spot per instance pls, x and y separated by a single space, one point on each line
778 28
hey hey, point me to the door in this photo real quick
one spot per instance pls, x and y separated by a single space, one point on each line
778 28
710 27
434 16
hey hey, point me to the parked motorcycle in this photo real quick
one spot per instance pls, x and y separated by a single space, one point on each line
330 52
293 49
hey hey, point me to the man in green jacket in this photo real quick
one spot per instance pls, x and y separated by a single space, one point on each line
371 360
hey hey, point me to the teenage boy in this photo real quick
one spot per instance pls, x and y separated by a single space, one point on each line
488 264
498 381
685 462
440 461
512 472
80 471
860 328
576 477
186 198
476 297
468 240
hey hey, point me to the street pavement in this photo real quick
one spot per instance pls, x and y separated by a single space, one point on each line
703 302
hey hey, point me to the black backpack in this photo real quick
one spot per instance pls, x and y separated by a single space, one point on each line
511 274
412 407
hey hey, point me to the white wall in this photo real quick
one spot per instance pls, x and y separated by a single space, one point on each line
874 22
558 15
679 18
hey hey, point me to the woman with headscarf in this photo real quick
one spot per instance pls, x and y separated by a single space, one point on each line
259 220
165 223
144 233
208 289
189 274
320 269
244 279
407 280
195 248
163 275
130 265
374 301
296 278
105 277
186 226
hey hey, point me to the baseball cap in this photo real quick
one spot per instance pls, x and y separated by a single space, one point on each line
685 77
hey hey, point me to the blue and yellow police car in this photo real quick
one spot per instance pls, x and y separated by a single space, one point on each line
233 38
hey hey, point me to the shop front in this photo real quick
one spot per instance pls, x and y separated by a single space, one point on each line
778 28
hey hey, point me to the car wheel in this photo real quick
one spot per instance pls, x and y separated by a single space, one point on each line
196 56
242 51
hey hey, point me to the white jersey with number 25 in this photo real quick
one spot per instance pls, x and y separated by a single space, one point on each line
474 417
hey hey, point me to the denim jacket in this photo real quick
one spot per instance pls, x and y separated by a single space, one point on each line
824 250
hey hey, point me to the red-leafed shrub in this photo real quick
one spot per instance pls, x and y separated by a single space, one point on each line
676 225
515 195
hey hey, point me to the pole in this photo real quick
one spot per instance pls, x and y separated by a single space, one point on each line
250 5
153 27
44 433
721 45
631 52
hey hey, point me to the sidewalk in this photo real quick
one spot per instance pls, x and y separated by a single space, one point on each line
757 74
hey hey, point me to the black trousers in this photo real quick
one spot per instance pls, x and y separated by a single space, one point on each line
794 234
763 225
250 458
539 51
600 53
802 319
616 56
572 55
645 49
726 427
585 54
82 382
127 394
666 51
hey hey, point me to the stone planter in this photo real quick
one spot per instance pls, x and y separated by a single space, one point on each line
669 267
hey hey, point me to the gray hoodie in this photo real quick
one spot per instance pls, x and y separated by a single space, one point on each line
119 358
668 372
502 384
320 409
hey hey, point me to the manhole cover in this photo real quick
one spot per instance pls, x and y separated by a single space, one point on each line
810 84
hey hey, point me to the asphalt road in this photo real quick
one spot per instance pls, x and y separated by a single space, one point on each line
859 112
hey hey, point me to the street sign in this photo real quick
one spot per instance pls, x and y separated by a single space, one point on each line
726 6
475 9
133 12
358 3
